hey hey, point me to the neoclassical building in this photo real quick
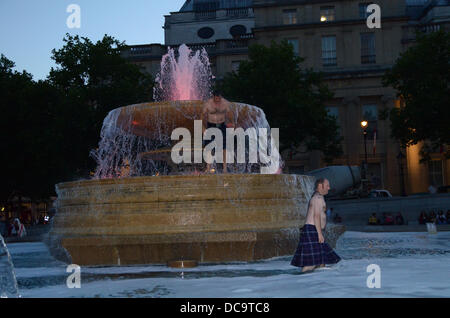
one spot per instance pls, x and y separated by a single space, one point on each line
333 37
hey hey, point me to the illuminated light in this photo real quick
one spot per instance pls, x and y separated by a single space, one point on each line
323 18
364 124
212 170
134 122
3 209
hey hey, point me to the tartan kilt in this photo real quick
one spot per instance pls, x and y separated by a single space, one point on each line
310 252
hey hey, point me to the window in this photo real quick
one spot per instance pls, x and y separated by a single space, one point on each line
370 114
435 172
235 66
238 30
375 177
205 33
295 45
290 16
363 14
368 55
326 14
333 111
329 50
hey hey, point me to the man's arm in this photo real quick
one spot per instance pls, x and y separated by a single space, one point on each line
317 219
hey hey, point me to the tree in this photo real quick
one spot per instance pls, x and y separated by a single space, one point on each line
94 79
48 128
26 106
421 77
292 99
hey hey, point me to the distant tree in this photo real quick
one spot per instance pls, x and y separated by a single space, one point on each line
49 127
292 98
26 108
94 79
421 77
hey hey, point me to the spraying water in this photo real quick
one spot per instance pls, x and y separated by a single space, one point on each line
8 282
136 139
187 78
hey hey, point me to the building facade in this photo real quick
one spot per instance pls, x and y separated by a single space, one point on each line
334 38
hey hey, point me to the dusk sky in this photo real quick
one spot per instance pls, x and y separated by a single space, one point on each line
30 29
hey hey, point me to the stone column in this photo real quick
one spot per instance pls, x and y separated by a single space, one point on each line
353 137
392 168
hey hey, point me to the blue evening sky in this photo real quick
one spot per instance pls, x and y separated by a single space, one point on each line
30 29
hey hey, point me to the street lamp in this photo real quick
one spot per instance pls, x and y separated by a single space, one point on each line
364 125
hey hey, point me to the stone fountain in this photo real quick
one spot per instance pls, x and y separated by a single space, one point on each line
141 209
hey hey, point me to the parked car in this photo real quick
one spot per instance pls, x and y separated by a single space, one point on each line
380 194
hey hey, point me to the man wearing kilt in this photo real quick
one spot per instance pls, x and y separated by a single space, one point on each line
312 251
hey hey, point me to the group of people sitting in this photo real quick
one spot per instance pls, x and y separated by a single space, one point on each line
386 219
15 228
432 217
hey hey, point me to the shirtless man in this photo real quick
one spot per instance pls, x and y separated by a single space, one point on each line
217 113
317 213
312 250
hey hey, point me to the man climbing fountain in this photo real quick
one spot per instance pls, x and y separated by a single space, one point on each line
217 113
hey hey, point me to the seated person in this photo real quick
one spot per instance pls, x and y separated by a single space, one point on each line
383 219
399 219
389 219
18 229
373 219
432 217
441 218
423 217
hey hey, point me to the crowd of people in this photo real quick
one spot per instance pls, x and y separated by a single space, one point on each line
436 217
15 228
387 219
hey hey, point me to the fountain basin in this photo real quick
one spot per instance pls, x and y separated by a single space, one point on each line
206 218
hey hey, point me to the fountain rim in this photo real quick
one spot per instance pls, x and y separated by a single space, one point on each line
161 178
164 103
171 104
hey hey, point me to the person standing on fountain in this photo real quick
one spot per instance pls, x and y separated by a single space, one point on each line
217 113
312 251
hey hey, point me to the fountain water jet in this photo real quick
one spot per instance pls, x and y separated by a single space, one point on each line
187 78
8 281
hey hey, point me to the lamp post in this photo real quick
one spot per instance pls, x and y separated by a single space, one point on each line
400 158
364 125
